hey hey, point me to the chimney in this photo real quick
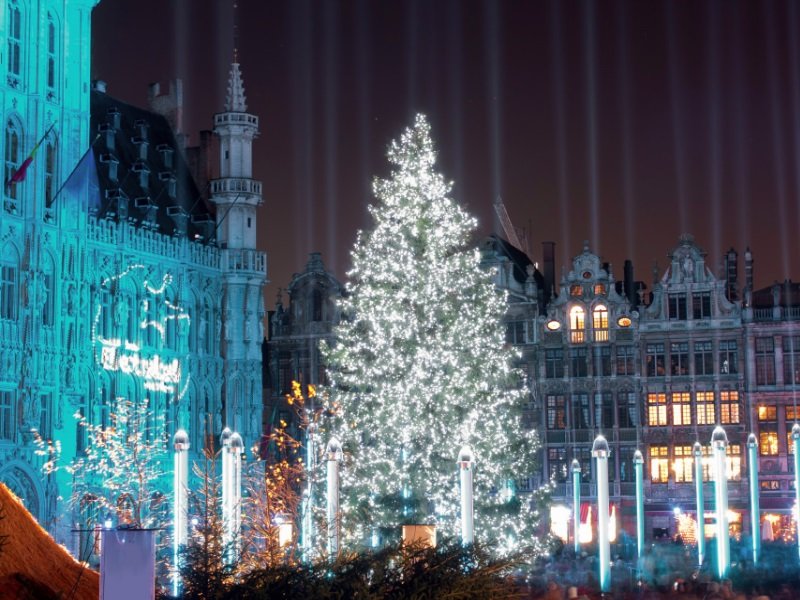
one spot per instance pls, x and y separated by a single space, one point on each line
628 286
748 269
549 261
731 275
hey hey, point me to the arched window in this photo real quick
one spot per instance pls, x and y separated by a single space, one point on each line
577 325
14 41
52 49
9 283
600 323
12 152
50 170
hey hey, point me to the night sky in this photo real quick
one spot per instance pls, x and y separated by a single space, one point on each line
622 123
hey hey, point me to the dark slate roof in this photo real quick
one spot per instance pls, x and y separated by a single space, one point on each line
155 204
517 257
789 295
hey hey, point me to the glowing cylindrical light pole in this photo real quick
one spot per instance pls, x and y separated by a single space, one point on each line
719 445
334 457
755 512
225 441
231 494
576 504
308 495
601 453
701 503
796 442
638 469
180 443
466 465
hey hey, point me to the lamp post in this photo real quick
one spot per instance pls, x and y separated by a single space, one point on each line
334 457
576 504
755 513
180 443
601 453
466 464
719 445
701 505
638 469
796 442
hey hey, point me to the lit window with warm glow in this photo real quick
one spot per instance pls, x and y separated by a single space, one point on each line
683 464
624 321
656 410
729 407
659 464
600 323
706 415
599 289
577 325
681 408
767 412
559 521
768 443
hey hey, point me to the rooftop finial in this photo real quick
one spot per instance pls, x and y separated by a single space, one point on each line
235 101
235 32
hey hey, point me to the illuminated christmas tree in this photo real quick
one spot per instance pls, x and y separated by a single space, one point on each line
421 367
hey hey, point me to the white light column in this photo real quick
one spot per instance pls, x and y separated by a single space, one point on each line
308 495
466 464
334 457
180 443
638 469
227 473
576 504
232 447
601 453
701 503
796 516
719 445
755 512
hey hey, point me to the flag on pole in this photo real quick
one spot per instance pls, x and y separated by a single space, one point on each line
82 182
19 174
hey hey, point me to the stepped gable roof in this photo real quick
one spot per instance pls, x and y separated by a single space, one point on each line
520 260
169 188
32 564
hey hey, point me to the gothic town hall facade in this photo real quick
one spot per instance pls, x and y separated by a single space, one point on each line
124 272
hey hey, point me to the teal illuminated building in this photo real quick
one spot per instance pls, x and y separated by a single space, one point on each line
127 274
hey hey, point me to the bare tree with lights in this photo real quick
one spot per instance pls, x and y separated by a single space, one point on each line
420 367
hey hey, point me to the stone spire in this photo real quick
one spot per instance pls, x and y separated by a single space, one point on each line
235 100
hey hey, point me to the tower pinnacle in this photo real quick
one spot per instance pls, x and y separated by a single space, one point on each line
235 100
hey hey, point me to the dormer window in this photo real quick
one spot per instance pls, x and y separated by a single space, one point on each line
166 155
575 290
600 323
577 325
599 289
